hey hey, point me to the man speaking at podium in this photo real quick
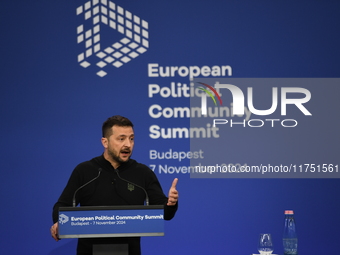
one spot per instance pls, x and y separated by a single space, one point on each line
114 179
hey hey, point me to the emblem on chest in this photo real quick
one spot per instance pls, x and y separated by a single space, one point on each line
130 187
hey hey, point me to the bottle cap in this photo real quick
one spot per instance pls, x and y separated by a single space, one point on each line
289 212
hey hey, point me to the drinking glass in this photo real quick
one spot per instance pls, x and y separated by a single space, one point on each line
265 246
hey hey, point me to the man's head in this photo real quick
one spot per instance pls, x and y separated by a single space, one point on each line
118 139
114 121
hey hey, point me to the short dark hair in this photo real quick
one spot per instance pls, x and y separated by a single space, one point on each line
116 120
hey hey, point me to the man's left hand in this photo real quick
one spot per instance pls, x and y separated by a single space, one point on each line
173 194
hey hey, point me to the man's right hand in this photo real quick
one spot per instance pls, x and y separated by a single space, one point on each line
54 231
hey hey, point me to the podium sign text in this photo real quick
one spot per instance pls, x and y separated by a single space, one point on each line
111 221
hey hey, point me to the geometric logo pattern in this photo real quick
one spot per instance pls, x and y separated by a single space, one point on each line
63 218
135 35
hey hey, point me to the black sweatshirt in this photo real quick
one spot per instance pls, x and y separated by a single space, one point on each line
109 190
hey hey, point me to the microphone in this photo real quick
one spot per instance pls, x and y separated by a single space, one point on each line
74 195
146 194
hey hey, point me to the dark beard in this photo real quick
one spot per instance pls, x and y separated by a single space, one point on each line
116 158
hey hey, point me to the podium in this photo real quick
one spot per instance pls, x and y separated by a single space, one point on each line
111 221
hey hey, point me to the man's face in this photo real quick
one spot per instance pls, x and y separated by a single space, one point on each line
120 144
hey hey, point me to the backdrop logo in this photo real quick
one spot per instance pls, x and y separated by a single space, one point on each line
63 218
102 13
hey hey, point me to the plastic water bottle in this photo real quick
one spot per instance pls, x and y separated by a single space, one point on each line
290 241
